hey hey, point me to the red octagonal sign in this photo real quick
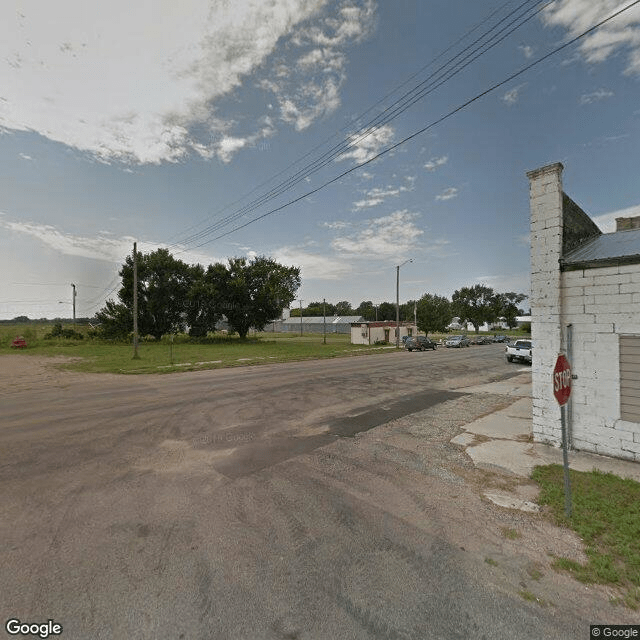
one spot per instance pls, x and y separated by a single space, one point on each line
562 380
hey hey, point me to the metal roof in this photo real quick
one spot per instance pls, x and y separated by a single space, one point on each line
320 319
621 246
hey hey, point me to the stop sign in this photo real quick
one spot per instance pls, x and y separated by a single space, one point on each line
562 380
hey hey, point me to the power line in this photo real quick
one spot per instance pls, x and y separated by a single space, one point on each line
353 121
429 126
351 143
383 118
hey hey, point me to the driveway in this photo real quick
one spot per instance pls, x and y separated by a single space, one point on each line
317 499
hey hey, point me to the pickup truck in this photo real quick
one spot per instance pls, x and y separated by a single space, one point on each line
519 350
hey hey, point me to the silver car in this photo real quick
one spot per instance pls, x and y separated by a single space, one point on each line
457 341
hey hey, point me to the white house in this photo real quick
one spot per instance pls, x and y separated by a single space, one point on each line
585 302
382 331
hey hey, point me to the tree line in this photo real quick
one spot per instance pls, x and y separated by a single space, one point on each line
175 297
477 304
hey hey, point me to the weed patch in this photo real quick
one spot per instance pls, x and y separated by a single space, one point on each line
606 516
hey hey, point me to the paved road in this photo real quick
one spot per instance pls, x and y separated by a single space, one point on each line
258 502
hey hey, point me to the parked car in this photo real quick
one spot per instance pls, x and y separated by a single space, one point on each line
419 343
501 338
457 341
481 340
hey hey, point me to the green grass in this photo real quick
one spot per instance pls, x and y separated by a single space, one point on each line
511 534
159 357
606 515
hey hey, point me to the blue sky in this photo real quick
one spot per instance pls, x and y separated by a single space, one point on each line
155 121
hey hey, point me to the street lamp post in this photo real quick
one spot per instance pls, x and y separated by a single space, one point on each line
398 301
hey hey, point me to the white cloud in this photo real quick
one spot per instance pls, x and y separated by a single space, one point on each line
310 101
143 89
391 236
362 148
310 88
595 96
378 195
227 147
511 97
24 156
338 224
518 282
447 194
103 246
527 51
313 266
621 33
434 163
607 221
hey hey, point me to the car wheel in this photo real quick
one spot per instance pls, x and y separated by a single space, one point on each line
509 358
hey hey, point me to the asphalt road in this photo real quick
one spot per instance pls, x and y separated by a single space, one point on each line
258 502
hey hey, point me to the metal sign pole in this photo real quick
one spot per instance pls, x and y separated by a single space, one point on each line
565 461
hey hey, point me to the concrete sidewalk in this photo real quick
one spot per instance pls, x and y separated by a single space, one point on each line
502 440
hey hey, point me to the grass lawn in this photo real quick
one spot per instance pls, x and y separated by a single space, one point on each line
606 515
162 357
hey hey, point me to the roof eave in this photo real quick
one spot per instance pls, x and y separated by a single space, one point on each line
598 263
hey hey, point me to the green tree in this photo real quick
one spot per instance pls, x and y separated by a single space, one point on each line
474 304
507 307
115 319
387 311
205 305
407 311
256 291
367 310
343 308
434 313
163 287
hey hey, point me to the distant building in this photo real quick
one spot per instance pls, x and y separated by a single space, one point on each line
457 325
315 324
363 332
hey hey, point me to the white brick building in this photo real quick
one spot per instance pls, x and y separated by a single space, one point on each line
585 302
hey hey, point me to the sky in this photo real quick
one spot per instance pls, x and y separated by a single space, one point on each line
193 125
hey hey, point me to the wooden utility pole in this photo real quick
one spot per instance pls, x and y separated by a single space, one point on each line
300 318
135 302
324 321
73 297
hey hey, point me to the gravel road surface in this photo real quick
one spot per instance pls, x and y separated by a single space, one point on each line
309 500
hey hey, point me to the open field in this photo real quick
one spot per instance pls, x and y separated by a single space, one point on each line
183 355
161 357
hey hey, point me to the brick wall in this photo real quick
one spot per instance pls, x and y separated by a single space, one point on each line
545 197
599 304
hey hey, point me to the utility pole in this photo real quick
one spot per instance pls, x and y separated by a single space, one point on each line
398 301
135 303
324 321
415 315
300 318
73 298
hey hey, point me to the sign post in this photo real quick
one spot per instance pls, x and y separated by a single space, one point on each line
562 391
